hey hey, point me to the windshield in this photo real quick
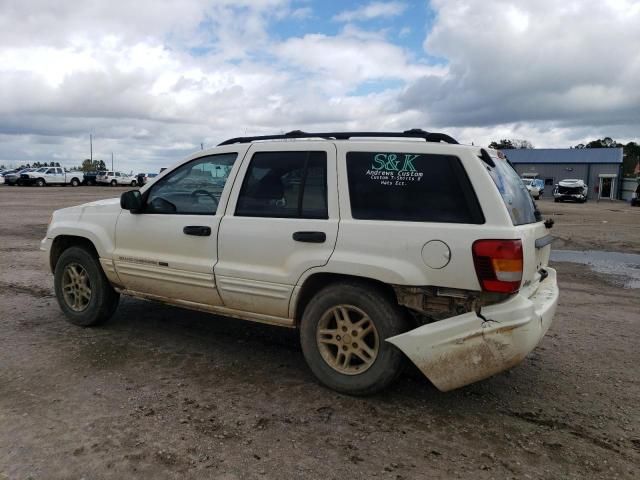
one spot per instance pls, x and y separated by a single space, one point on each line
513 191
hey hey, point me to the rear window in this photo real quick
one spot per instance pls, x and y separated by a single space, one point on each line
410 187
514 194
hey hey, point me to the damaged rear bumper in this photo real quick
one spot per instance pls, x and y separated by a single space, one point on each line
463 349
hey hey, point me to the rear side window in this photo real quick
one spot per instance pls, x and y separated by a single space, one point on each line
285 185
410 187
514 194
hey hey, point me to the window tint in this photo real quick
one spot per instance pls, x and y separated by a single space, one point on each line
410 187
193 188
285 184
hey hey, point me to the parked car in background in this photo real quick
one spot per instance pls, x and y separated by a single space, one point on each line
116 178
90 178
571 189
635 197
51 176
14 177
535 186
143 178
5 172
373 248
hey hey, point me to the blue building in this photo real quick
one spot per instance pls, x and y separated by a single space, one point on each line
600 168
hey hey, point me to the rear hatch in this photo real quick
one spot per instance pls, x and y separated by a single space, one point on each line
527 220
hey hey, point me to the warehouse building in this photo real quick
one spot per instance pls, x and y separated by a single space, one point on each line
600 168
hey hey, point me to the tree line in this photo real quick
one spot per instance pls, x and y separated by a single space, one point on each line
630 151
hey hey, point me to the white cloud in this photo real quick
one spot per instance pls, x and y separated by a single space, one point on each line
575 65
371 11
153 80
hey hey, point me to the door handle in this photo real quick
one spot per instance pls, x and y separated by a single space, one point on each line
197 230
310 237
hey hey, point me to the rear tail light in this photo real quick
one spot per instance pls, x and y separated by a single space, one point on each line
498 265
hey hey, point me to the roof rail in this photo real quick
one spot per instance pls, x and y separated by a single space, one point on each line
413 133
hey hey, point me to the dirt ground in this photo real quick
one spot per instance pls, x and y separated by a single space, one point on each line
160 392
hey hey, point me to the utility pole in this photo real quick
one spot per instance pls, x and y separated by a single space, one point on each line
202 146
111 161
91 147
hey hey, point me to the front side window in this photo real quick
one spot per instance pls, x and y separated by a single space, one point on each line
285 185
410 187
193 188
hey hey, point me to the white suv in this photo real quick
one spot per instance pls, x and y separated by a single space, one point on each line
116 178
373 245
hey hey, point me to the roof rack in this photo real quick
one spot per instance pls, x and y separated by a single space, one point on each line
413 133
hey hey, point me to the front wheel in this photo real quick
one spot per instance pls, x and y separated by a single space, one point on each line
133 183
343 333
83 292
113 183
40 182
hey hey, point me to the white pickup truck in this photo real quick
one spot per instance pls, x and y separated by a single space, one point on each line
376 249
51 176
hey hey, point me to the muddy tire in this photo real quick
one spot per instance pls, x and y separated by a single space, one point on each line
40 182
343 332
84 294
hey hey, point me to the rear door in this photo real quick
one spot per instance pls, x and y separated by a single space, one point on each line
282 219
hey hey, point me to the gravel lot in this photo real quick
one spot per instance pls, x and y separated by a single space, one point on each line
161 392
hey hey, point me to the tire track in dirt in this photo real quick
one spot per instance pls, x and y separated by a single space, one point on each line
31 290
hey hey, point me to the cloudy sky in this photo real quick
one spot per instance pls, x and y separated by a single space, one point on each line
152 80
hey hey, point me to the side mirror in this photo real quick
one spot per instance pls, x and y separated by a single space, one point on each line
132 201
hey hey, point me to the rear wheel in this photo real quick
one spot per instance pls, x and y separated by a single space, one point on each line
343 333
84 294
75 182
133 183
556 200
40 182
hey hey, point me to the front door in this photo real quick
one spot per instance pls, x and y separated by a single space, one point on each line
282 220
54 175
169 249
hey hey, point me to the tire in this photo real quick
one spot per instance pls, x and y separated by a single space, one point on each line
388 320
40 182
537 198
103 299
133 183
75 182
114 183
556 200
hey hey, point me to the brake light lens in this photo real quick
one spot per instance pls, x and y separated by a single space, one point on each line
498 265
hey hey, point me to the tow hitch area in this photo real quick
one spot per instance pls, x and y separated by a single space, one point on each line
466 348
